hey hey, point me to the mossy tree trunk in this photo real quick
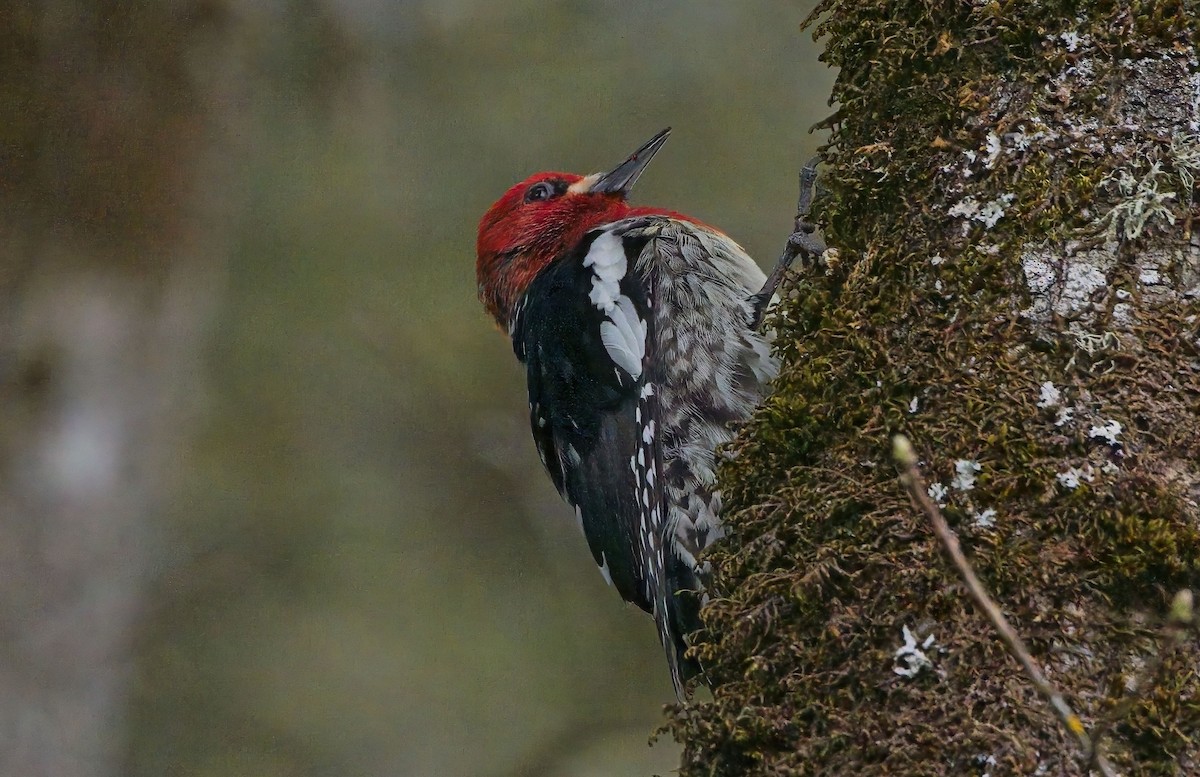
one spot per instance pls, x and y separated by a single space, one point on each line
1012 193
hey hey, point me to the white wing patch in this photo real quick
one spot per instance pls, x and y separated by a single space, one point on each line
624 337
624 333
606 257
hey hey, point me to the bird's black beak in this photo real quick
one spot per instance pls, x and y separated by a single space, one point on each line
622 178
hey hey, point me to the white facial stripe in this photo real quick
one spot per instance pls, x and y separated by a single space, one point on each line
584 185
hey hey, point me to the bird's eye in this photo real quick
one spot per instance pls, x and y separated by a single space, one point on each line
539 191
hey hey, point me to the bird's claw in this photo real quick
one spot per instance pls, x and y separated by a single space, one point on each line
803 242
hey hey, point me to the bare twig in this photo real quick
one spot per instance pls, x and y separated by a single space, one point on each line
1175 632
911 477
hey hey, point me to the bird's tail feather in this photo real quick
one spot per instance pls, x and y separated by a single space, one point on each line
677 614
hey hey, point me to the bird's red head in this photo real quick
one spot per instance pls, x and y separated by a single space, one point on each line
541 218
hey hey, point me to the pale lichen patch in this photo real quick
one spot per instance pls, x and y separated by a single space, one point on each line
1071 477
911 658
1048 395
1142 201
1124 315
1072 40
984 519
1061 282
993 149
1109 431
966 472
1194 83
988 213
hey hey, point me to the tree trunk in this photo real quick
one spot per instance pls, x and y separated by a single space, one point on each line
110 252
1012 188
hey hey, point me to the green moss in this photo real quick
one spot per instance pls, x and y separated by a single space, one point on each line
827 561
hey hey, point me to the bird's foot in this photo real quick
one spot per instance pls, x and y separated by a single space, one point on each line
803 242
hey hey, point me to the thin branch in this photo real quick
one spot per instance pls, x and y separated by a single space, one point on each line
911 478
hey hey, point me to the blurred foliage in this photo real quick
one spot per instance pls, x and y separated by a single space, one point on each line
367 572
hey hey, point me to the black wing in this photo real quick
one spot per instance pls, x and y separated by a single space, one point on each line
583 409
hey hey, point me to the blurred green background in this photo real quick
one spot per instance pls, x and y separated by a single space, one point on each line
365 571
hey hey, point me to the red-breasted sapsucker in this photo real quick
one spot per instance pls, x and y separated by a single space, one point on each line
638 330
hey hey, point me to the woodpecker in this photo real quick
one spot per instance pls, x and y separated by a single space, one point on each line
638 329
